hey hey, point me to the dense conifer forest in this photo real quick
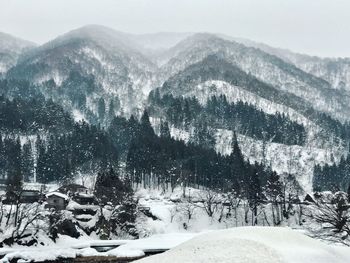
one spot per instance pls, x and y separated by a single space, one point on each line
242 117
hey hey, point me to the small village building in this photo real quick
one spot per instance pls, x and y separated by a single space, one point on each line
85 199
57 200
71 189
30 196
24 196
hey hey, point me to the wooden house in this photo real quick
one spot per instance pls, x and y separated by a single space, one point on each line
57 200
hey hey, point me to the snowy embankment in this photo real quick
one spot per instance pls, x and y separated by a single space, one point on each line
242 244
67 247
253 244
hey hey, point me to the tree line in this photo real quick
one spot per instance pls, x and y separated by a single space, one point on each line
222 114
335 177
32 115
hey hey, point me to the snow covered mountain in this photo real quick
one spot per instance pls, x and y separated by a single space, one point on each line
97 73
162 40
334 70
268 68
92 62
129 66
10 49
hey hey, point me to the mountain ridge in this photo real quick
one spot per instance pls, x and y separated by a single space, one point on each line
11 48
97 73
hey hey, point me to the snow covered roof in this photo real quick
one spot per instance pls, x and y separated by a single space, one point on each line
58 194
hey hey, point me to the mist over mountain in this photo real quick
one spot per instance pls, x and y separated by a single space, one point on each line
333 70
10 50
97 74
108 137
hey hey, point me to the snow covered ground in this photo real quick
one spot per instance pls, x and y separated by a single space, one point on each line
170 227
239 245
71 248
253 245
177 214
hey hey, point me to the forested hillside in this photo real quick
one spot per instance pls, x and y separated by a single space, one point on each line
95 98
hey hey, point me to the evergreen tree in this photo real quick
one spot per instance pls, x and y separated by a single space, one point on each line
164 130
109 188
41 160
27 159
101 109
275 194
203 135
14 185
238 169
111 110
219 113
146 127
2 158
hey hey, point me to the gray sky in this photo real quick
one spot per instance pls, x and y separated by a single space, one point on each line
316 27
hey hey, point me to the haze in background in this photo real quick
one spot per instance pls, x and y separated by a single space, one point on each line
316 27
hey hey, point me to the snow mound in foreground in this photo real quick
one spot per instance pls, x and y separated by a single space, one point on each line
253 245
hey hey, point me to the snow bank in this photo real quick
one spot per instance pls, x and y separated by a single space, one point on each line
138 248
39 254
157 242
67 247
124 252
253 244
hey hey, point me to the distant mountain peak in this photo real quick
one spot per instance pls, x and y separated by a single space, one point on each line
10 49
11 43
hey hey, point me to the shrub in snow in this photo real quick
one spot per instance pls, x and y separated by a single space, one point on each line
62 224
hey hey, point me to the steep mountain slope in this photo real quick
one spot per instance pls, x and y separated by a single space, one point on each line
10 49
96 73
90 62
267 68
214 76
334 70
214 67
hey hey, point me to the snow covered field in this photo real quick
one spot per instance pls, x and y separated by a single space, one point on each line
253 245
239 245
181 224
71 248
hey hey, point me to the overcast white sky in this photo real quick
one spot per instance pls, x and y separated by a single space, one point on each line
317 27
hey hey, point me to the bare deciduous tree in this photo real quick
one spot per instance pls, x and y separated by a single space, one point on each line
333 215
188 208
234 201
27 217
210 201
